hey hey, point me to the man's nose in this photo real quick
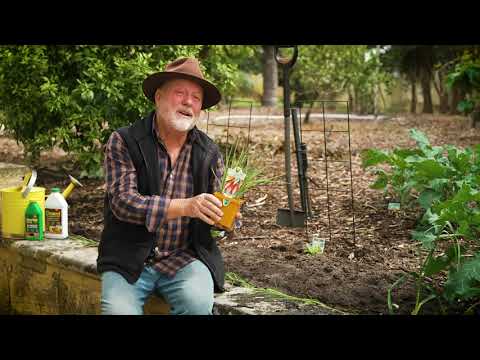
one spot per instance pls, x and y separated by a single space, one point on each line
187 100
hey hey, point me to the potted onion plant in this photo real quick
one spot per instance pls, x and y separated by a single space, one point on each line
239 176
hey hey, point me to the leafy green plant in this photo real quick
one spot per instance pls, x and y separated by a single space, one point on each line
217 234
314 248
444 183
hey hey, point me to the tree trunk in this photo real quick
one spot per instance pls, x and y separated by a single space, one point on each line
350 100
444 103
457 96
204 52
475 116
270 76
426 92
307 115
356 100
441 91
413 87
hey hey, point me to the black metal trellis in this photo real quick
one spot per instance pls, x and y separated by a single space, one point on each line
228 125
326 160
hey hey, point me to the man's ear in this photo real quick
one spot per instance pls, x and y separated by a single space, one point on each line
156 96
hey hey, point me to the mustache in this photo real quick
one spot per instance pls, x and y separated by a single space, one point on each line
187 111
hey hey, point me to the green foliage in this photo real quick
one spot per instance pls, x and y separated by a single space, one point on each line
75 96
466 75
444 182
324 71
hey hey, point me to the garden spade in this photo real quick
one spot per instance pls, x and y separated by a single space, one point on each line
288 217
302 164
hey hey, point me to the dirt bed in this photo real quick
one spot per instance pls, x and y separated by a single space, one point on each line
353 273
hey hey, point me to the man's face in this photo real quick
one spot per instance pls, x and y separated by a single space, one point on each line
179 103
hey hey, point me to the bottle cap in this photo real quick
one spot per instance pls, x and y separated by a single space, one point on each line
55 189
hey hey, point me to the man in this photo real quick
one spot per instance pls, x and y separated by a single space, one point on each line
160 175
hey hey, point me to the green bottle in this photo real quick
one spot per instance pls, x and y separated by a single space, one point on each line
33 222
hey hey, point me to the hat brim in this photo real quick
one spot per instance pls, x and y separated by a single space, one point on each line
211 95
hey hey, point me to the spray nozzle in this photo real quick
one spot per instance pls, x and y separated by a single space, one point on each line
73 182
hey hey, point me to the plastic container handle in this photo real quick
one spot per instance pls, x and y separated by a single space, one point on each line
31 182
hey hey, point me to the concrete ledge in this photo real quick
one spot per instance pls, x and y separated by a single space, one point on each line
60 277
53 277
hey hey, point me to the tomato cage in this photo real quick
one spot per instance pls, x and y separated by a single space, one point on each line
325 172
311 203
233 124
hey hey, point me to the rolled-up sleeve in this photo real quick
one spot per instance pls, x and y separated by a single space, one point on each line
127 203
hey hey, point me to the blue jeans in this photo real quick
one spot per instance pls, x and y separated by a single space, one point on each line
190 292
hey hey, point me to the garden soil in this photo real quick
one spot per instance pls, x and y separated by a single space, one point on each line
358 264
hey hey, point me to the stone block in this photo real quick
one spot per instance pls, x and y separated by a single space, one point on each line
6 258
78 293
33 292
156 306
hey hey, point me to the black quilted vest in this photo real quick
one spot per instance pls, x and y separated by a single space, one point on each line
124 247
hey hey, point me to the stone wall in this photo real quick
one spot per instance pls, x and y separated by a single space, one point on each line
53 277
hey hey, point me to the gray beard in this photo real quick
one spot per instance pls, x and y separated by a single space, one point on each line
183 124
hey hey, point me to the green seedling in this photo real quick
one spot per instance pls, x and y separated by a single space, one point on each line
315 247
217 234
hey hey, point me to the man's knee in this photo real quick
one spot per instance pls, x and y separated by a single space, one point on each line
118 297
196 294
120 306
194 301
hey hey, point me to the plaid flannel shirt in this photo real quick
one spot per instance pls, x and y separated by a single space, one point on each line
170 253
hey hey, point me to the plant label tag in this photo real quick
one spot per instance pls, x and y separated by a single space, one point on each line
317 244
320 243
393 206
235 177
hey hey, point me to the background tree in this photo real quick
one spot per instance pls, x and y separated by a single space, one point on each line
427 65
328 71
270 76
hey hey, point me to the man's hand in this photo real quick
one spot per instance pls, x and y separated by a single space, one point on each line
206 207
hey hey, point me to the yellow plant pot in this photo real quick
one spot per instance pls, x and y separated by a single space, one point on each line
230 208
